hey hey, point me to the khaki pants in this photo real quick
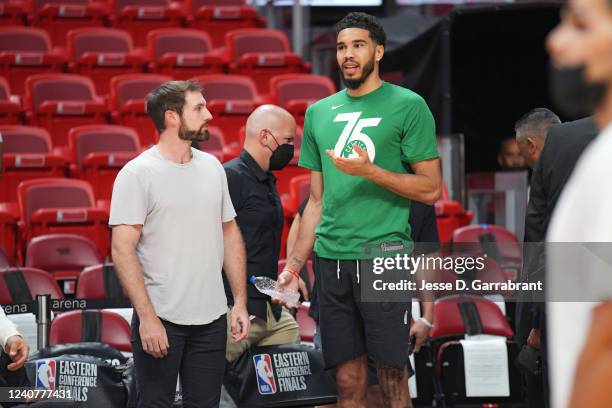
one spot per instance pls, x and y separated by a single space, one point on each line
262 333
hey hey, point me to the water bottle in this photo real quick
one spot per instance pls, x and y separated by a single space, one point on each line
269 287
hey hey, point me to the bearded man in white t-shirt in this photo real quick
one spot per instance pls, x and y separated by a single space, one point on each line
173 232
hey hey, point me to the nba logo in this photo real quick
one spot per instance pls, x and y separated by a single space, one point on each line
45 374
264 373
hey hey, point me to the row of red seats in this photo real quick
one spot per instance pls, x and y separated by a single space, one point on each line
136 16
64 327
48 205
59 102
102 53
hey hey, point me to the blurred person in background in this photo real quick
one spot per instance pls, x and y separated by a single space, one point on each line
581 53
531 131
509 156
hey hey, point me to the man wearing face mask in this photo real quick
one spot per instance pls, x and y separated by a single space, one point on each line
579 269
270 131
173 232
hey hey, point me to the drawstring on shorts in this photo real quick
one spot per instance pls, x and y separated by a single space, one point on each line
338 270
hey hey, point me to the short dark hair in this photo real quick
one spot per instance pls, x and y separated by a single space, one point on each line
366 22
168 96
536 123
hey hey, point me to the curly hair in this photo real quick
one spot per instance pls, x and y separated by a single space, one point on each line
366 22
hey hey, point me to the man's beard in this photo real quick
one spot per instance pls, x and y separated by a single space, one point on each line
200 135
357 82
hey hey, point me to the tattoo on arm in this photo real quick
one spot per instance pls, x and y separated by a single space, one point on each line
394 386
297 262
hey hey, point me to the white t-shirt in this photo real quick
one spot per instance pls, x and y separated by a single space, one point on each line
576 271
181 208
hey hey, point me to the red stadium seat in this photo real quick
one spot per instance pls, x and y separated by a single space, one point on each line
295 92
59 102
454 317
127 102
284 177
37 282
230 99
28 154
57 17
10 107
99 282
450 215
142 16
62 255
26 51
14 12
103 53
98 152
450 323
496 241
55 205
299 190
9 234
219 17
215 144
261 54
306 323
113 329
182 53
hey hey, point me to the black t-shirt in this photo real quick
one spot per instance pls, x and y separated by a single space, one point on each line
259 215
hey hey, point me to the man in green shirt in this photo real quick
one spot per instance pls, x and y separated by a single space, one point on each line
356 143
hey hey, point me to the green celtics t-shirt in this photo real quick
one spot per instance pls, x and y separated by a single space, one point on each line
395 126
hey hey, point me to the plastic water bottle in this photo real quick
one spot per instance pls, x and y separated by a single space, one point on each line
269 287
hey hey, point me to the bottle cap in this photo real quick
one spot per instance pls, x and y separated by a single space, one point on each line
252 278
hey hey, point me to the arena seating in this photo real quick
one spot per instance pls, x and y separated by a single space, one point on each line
57 17
495 240
63 256
22 285
10 109
98 152
456 316
295 92
59 102
91 325
99 282
141 16
103 53
15 12
219 17
261 54
27 154
182 53
26 51
56 205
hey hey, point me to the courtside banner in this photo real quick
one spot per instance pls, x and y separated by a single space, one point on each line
280 376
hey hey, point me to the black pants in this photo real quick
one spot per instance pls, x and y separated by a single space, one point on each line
11 379
196 352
